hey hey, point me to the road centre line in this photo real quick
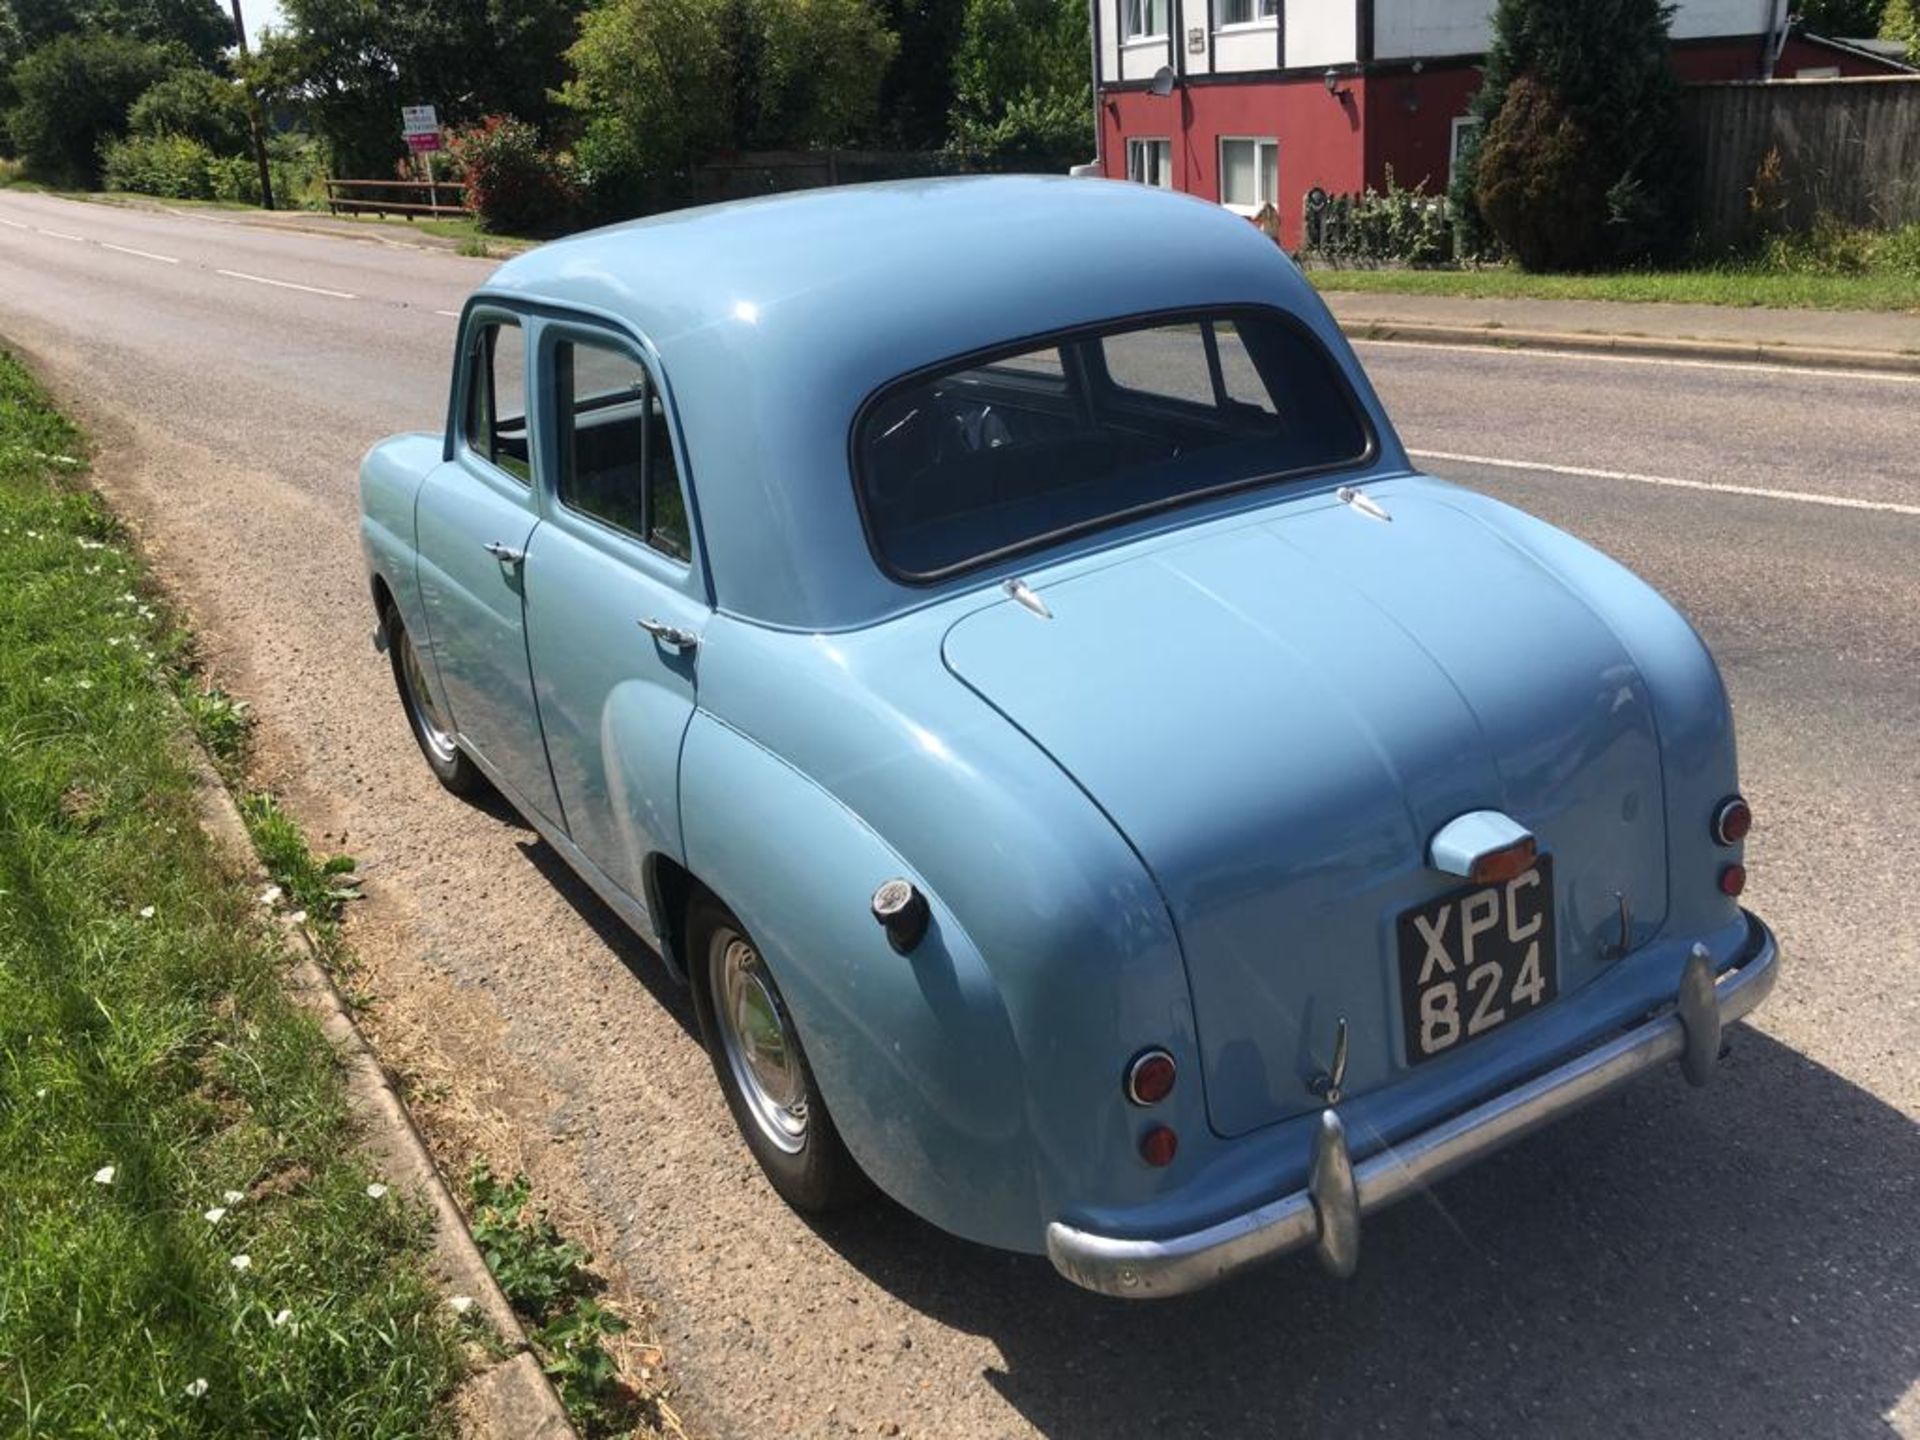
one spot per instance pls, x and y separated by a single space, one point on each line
13 224
450 314
143 254
1798 497
285 284
1747 367
61 235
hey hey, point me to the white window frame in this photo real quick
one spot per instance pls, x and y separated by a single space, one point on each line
1817 72
1266 15
1130 36
1136 145
1461 125
1220 159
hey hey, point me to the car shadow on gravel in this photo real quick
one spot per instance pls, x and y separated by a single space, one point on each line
1740 1261
645 962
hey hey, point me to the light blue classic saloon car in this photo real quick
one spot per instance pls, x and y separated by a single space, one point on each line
987 634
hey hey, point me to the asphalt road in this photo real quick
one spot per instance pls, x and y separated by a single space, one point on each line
1741 1261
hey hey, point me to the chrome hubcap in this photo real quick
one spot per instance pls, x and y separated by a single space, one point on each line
426 720
762 1051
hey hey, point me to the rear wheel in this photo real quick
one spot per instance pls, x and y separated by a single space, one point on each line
449 763
762 1070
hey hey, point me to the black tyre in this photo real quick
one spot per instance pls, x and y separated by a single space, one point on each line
450 764
762 1069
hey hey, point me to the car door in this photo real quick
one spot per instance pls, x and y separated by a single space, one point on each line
616 601
474 520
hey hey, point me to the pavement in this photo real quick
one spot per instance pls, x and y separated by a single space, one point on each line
1741 1261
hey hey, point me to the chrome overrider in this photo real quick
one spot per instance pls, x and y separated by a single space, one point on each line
1326 1214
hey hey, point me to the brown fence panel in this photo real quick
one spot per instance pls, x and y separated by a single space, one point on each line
1847 147
769 172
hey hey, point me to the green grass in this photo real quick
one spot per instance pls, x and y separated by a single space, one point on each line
152 1067
1782 289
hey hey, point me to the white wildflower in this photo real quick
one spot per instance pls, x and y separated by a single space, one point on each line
216 1215
41 1093
241 1262
270 895
146 912
197 1388
104 1175
84 684
461 1304
299 917
232 1197
280 1318
376 1191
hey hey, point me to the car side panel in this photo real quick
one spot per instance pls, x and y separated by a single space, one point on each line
391 475
913 1053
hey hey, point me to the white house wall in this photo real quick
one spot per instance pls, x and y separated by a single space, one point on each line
1322 32
1254 48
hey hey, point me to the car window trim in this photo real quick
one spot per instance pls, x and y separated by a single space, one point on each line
1369 451
556 331
480 319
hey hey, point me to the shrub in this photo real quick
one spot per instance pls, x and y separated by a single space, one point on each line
172 166
513 185
1020 86
1598 115
1394 227
74 93
197 104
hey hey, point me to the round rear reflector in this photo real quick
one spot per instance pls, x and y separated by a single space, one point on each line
1150 1077
1732 821
1158 1145
1733 879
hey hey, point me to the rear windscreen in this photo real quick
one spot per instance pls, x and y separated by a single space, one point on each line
963 465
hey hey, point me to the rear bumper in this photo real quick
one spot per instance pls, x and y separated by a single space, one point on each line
1326 1213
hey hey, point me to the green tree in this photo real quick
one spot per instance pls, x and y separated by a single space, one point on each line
916 97
1902 22
201 26
73 95
1600 117
817 74
1023 97
197 105
1840 17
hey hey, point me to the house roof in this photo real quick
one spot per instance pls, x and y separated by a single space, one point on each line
775 319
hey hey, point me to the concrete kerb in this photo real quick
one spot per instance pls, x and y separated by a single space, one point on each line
511 1397
1644 346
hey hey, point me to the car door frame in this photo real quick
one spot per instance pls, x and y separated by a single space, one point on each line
690 581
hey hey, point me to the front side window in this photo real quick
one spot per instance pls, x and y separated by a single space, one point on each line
495 425
1150 162
1146 19
1245 12
1249 174
616 454
991 457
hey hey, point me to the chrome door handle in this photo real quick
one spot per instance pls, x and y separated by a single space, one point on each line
671 635
505 554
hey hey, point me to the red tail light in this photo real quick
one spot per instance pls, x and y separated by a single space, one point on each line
1733 880
1150 1077
1732 821
1158 1145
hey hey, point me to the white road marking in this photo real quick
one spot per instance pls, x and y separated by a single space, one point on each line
1745 367
450 314
14 224
285 284
1798 497
62 235
143 254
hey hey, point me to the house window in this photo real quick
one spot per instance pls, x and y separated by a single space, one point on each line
1249 174
1244 12
1817 72
1151 162
1466 134
1144 19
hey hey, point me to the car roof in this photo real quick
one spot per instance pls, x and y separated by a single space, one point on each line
774 319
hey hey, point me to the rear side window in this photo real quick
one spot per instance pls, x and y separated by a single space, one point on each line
991 457
616 455
496 419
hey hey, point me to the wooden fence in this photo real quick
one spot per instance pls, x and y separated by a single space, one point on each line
1848 148
438 198
769 172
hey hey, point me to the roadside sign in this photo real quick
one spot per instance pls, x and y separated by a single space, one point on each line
424 144
419 120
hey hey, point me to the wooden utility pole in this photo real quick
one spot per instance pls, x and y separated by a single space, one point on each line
255 121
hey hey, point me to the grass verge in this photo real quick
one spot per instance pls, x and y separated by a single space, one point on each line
1786 290
189 1241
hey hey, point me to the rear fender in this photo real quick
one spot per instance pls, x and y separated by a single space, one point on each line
914 1054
